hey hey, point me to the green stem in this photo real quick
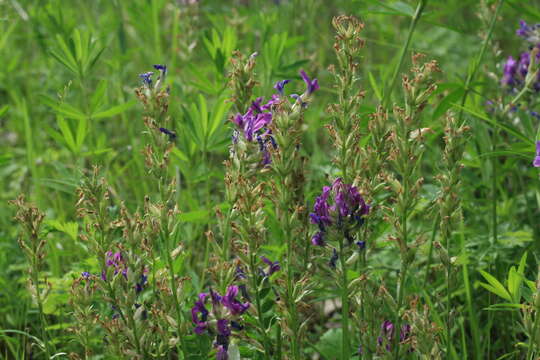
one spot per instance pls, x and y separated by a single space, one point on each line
470 308
478 61
174 290
43 323
255 285
532 345
416 17
401 295
430 253
345 345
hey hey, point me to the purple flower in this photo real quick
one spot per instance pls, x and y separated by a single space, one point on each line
169 133
536 162
230 302
199 308
251 123
321 210
387 334
318 239
515 71
103 275
348 201
530 33
146 78
311 85
239 273
85 275
341 206
361 245
280 85
161 68
223 327
405 332
222 353
273 266
116 260
139 286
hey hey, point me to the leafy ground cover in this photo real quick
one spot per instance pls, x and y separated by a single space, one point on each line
269 179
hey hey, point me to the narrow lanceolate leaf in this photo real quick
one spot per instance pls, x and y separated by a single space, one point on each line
115 110
63 109
495 286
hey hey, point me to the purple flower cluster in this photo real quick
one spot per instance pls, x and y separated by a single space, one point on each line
226 311
515 71
146 77
536 162
387 334
530 33
254 125
340 206
116 261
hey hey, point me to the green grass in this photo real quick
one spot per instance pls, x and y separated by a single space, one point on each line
67 102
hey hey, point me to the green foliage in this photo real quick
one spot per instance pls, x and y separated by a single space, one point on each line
67 102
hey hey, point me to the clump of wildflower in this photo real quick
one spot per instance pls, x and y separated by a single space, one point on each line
340 207
224 317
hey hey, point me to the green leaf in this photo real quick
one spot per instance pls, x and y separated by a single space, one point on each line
115 110
507 128
329 344
198 216
447 102
98 97
495 286
3 110
374 86
67 136
63 109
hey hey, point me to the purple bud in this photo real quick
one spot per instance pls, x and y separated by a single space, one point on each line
536 162
280 85
311 85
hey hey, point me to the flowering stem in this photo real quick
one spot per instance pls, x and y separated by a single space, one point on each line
174 291
35 279
255 285
345 345
401 295
416 17
290 280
